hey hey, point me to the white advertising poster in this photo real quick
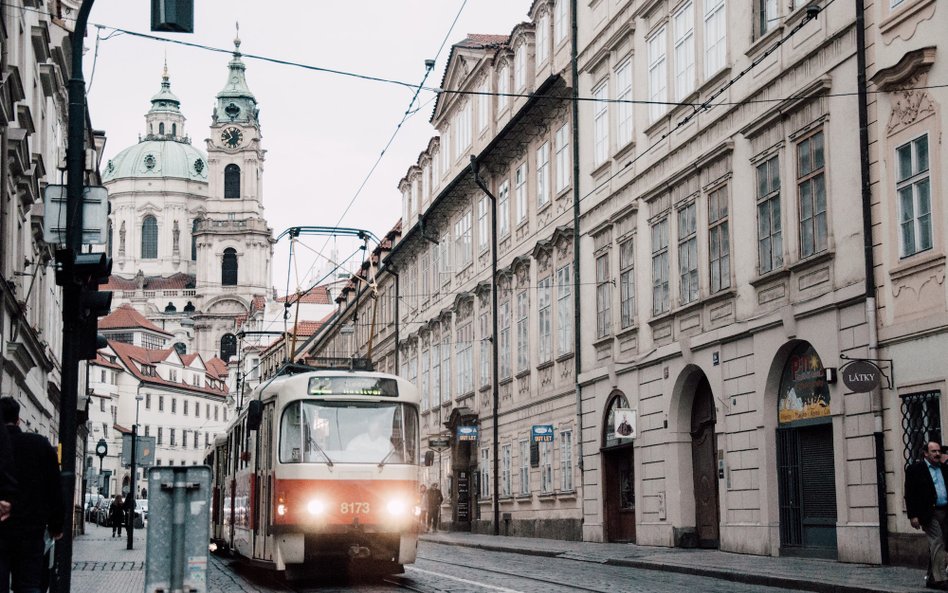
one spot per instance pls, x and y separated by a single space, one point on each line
625 427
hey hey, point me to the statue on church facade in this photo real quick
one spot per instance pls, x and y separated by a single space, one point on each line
175 237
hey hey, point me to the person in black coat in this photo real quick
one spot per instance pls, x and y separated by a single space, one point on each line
7 480
926 503
39 507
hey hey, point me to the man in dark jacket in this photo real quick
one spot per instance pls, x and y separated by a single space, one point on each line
7 481
926 503
38 507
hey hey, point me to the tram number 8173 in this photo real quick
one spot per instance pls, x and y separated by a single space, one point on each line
354 508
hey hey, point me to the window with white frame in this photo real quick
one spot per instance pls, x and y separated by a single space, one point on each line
913 185
485 349
560 20
445 364
445 246
603 296
545 319
435 170
687 254
719 241
485 473
435 251
811 188
462 130
624 106
520 192
684 29
463 252
503 344
445 149
657 74
601 123
483 223
566 460
503 88
660 301
627 283
520 67
543 175
505 462
425 378
503 209
564 310
767 16
546 467
523 330
715 37
483 106
562 158
769 226
542 40
464 344
524 467
435 373
425 265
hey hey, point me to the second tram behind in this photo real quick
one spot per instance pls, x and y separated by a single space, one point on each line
321 466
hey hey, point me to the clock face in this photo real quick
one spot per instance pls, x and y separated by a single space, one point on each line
232 137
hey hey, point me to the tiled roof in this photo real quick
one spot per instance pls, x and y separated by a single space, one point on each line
131 354
216 367
472 41
177 281
307 328
127 317
104 362
316 296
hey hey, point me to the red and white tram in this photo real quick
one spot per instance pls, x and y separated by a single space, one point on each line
321 465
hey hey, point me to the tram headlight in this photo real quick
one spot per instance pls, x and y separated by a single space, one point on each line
397 507
281 510
316 507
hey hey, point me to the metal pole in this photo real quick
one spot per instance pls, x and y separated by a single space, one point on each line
133 482
495 379
75 167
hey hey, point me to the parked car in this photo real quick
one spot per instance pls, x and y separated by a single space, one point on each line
141 512
91 501
102 513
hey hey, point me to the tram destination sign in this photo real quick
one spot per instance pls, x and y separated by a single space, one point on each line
861 376
342 385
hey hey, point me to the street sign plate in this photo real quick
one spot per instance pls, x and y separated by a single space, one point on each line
95 215
439 443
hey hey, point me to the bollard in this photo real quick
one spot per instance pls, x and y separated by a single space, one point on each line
179 515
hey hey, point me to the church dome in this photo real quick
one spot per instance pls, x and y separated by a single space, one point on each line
158 159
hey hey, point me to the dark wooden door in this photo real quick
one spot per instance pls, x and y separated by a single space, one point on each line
619 484
807 491
705 467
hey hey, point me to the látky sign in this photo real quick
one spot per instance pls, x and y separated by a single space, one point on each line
861 376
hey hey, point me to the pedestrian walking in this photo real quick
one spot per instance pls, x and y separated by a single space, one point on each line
926 503
7 479
38 507
117 515
435 498
423 507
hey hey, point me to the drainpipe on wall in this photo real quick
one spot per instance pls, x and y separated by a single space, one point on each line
873 346
393 272
577 301
4 171
495 361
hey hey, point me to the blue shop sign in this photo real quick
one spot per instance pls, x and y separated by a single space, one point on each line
467 433
542 433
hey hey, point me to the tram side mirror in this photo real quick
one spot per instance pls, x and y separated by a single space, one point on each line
254 414
429 458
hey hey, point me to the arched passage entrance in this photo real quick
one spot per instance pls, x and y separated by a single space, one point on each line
704 463
618 465
805 461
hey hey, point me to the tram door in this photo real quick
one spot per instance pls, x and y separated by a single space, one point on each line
263 484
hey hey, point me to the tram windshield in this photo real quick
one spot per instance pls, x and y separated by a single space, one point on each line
348 432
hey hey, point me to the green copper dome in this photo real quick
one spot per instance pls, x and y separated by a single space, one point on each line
158 159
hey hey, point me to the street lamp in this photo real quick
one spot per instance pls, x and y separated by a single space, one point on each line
133 483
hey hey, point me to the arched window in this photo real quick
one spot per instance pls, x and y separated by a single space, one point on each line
194 244
108 239
174 129
149 238
228 346
232 182
180 348
609 435
170 308
161 128
189 308
229 267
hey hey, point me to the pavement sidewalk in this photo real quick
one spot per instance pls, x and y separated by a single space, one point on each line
806 574
101 563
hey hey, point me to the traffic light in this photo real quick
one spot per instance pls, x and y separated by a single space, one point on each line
85 272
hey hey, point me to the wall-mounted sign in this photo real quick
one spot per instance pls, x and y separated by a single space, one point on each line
625 423
804 394
467 433
861 376
542 433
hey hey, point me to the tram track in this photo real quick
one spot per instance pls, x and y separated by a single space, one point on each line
545 580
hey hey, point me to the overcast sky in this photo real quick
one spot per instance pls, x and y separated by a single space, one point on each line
322 132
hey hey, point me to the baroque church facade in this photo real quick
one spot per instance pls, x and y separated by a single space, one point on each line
191 248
